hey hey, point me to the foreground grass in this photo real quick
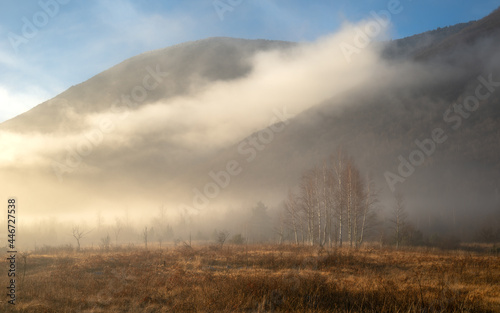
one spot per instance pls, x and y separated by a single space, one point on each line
259 279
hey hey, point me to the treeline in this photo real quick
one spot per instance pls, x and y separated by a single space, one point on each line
333 205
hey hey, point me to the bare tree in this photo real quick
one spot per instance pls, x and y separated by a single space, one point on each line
117 229
328 188
368 210
105 243
24 256
79 234
338 166
222 237
260 223
279 229
350 200
99 220
398 218
359 201
309 203
292 215
145 236
333 204
160 222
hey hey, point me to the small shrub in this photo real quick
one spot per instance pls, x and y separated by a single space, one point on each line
237 239
105 243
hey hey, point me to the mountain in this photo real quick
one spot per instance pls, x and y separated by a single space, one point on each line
189 66
412 45
113 142
483 29
382 123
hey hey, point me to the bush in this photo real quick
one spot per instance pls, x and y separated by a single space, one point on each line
487 235
237 239
105 243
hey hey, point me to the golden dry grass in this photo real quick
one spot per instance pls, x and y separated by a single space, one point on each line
259 279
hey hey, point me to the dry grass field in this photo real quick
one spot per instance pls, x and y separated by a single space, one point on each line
258 279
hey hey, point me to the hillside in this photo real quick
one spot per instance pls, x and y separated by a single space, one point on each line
189 66
382 123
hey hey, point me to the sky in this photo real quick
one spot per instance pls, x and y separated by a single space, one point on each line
47 46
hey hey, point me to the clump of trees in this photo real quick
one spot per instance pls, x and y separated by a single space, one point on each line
220 237
260 226
332 205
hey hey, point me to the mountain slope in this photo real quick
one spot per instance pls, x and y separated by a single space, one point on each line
488 27
189 66
382 123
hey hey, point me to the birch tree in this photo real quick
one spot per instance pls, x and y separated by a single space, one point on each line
333 204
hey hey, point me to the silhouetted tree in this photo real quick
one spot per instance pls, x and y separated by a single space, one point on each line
145 236
78 234
292 215
398 219
117 229
222 237
260 223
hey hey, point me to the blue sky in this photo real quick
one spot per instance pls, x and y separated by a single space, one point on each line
73 40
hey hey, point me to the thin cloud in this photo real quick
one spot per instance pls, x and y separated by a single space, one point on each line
126 24
17 103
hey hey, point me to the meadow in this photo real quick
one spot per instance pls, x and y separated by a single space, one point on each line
256 278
